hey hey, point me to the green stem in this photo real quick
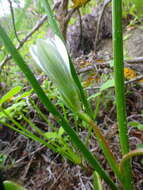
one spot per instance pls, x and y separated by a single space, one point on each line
42 115
82 92
94 116
88 135
28 134
98 100
119 87
51 19
103 145
39 131
129 155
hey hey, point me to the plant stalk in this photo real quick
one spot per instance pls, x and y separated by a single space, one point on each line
51 19
126 157
103 145
119 87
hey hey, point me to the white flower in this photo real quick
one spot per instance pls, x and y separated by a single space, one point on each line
52 57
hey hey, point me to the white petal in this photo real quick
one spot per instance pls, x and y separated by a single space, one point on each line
34 53
51 42
62 51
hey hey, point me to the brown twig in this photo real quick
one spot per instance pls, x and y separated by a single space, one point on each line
70 13
126 83
105 4
13 20
81 29
63 15
135 60
56 183
127 64
92 67
35 28
134 79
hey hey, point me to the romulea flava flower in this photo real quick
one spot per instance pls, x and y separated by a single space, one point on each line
129 73
78 3
52 57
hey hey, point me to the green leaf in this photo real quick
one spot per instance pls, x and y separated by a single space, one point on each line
9 185
139 145
10 94
3 158
97 185
61 131
51 135
108 84
94 95
55 135
126 37
136 124
25 94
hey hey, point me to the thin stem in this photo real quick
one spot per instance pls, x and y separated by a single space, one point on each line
43 116
28 134
88 135
119 87
51 19
84 100
129 155
95 114
119 76
39 131
96 42
98 100
103 145
13 21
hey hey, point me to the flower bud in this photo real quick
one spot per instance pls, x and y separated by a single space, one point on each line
52 57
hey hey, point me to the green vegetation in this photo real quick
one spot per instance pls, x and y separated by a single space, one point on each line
9 185
63 96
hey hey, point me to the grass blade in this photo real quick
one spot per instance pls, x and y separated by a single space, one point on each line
97 185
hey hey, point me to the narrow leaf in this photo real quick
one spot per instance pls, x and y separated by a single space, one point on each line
10 94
